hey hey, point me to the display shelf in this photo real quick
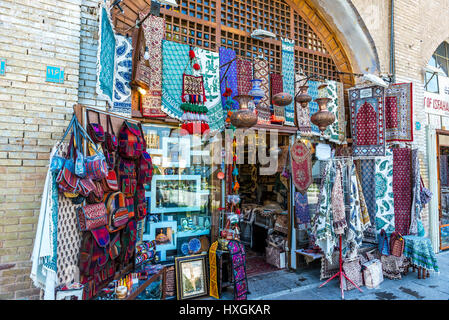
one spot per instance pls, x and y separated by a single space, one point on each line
183 234
147 282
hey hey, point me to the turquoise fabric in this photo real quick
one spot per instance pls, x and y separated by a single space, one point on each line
288 72
106 59
51 262
420 251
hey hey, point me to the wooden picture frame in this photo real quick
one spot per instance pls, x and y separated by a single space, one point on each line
191 277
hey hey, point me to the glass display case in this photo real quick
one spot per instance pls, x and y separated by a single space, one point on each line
179 196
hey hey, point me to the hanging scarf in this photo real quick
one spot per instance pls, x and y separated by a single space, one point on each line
244 76
334 131
154 31
416 194
123 72
313 106
363 208
338 205
322 224
288 72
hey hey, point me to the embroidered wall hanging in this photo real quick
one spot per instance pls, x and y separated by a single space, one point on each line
302 114
402 189
384 194
238 261
154 31
337 202
106 57
335 132
313 106
261 72
123 72
399 112
213 283
276 86
230 79
367 121
244 76
301 161
288 72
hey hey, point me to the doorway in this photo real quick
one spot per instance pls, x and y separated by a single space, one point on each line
443 186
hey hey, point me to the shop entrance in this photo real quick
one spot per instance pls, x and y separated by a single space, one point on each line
443 181
264 227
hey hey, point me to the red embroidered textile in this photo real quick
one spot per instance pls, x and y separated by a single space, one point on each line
301 166
402 189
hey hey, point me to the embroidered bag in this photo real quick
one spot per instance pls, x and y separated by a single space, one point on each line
130 141
144 164
85 187
126 170
130 206
95 130
91 216
115 246
116 210
111 141
384 246
141 207
97 193
128 237
110 182
396 244
93 252
66 179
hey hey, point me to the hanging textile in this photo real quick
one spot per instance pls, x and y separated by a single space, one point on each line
444 170
417 206
335 132
341 115
175 56
402 189
420 252
44 255
337 202
154 31
230 79
288 72
301 162
276 84
322 222
313 106
364 214
238 261
385 202
210 70
213 283
106 57
244 76
123 72
399 112
367 173
302 213
302 114
261 70
367 121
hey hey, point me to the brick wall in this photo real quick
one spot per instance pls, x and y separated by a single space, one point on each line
33 115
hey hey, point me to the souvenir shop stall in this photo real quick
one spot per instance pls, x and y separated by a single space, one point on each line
161 196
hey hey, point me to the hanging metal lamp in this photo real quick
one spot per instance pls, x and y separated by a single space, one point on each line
323 118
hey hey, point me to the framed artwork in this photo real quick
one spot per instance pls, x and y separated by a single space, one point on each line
175 152
164 233
191 276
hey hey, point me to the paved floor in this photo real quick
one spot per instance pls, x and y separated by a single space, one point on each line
303 285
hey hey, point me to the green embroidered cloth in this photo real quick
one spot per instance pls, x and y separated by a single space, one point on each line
420 251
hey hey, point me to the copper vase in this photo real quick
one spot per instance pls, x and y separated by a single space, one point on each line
243 118
323 118
282 99
303 98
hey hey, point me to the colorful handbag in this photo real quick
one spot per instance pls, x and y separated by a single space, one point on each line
85 187
66 178
97 193
397 243
110 182
116 210
111 141
95 130
91 216
384 247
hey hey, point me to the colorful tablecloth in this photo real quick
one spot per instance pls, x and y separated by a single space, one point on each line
420 252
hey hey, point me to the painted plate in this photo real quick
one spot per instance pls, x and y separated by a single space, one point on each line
194 245
185 248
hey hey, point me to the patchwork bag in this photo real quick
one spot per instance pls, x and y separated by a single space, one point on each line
91 216
110 183
93 252
95 130
115 246
97 194
126 170
144 164
96 165
66 178
397 244
85 187
130 141
116 210
130 206
111 141
128 237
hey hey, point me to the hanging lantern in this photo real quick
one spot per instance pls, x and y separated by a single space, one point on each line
303 98
243 118
323 118
282 99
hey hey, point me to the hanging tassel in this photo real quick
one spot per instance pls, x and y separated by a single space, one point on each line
235 172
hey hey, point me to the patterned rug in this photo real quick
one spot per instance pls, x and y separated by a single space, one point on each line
301 162
238 261
385 203
154 31
106 57
402 189
367 121
123 71
257 266
244 76
261 72
288 72
302 213
444 169
399 112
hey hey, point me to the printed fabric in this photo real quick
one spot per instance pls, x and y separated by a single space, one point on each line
276 84
313 106
213 283
210 70
336 131
301 163
106 57
444 170
367 121
302 213
288 72
261 72
123 72
338 205
420 252
238 261
154 31
353 270
385 202
244 76
402 189
399 112
367 172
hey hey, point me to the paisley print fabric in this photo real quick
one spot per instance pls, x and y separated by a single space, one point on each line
123 71
385 206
